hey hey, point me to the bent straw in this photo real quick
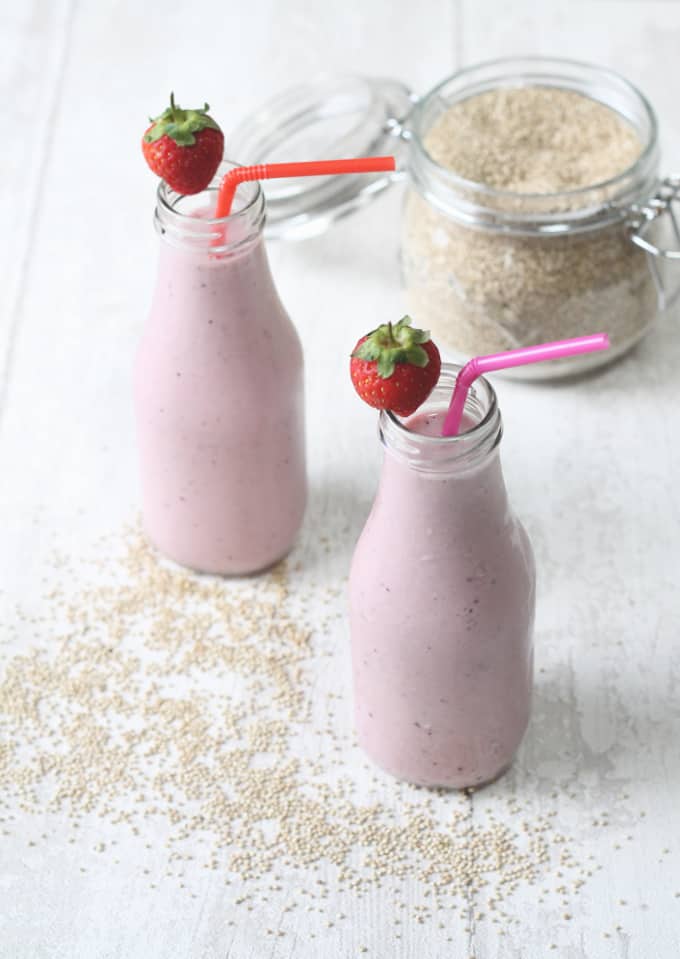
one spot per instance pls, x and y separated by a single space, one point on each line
271 171
560 349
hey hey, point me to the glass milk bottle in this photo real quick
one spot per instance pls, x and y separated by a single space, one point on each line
219 392
442 591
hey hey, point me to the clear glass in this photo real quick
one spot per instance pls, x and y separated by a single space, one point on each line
441 595
489 270
330 116
219 392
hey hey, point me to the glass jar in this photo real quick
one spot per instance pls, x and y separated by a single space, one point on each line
489 270
219 392
442 594
486 270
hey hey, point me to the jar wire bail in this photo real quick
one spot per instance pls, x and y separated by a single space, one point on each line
643 217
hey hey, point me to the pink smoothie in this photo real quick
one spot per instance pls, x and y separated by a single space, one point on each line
441 617
219 403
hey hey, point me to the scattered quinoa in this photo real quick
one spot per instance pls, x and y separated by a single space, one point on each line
185 709
481 291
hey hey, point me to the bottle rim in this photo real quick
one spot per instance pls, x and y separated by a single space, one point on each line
180 219
437 454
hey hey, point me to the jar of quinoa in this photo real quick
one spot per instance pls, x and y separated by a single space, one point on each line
517 222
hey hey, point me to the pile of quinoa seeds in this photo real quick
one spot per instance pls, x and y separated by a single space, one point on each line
533 139
206 720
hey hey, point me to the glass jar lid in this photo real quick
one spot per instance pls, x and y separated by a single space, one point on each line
332 116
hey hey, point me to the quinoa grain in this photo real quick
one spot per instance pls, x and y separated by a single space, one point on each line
181 708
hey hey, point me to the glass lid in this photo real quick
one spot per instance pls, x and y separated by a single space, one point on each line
328 118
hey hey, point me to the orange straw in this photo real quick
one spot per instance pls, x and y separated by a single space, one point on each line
271 171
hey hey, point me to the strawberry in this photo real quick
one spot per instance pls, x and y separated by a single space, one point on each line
184 147
395 367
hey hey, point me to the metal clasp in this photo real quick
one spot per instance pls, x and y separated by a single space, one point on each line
640 220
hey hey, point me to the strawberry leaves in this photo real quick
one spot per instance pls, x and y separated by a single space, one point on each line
180 125
394 343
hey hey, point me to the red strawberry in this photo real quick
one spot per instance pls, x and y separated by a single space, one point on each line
184 147
395 367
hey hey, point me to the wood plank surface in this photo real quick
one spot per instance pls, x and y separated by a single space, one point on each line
591 467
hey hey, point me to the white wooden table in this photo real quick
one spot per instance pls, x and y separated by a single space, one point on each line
592 468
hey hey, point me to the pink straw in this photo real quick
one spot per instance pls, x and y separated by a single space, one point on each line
504 361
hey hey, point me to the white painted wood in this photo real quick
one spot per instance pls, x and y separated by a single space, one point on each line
33 50
592 466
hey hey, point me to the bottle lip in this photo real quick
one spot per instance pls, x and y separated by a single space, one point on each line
435 454
579 209
180 218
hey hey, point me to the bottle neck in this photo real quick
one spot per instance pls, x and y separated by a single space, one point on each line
446 455
187 222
